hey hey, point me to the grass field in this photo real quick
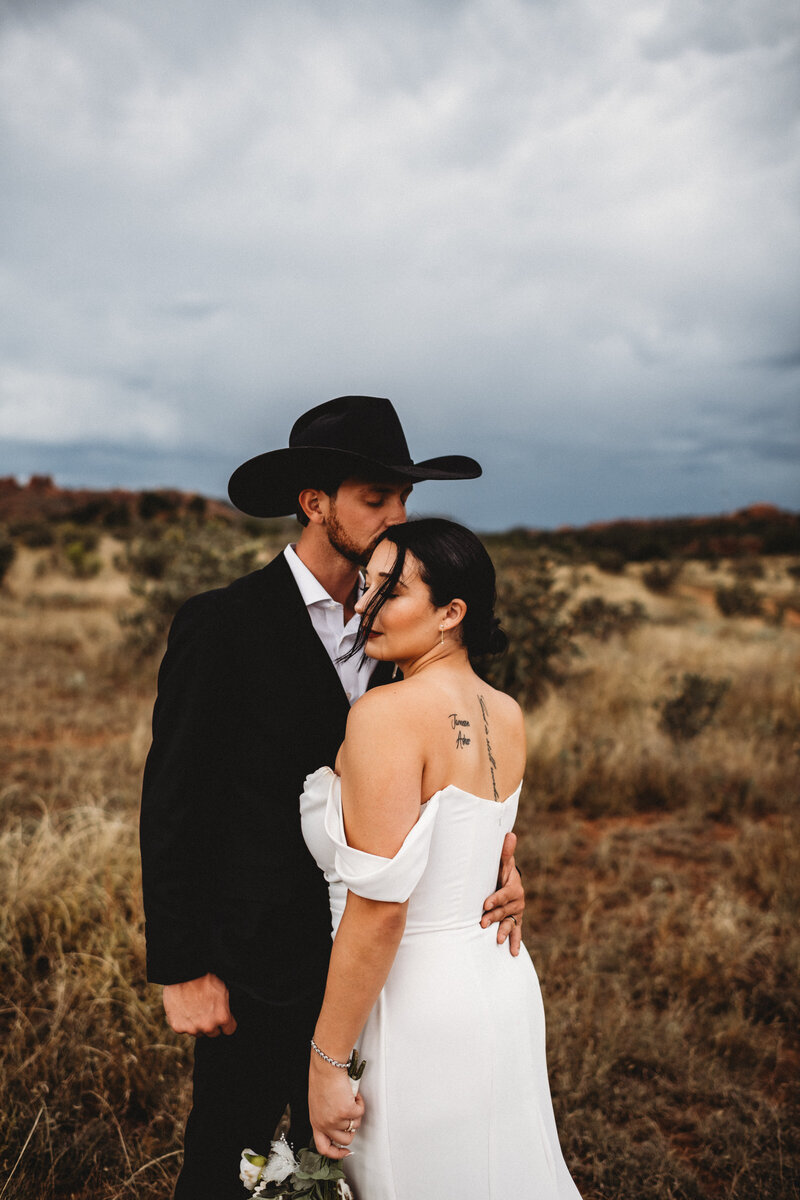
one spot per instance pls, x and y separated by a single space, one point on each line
663 879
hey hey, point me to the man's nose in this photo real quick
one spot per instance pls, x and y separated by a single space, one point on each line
397 512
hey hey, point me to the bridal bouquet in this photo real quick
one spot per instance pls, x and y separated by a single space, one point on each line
312 1176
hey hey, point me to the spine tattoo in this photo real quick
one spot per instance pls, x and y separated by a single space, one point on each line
492 763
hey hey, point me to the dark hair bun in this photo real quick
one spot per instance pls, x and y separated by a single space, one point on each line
498 639
486 639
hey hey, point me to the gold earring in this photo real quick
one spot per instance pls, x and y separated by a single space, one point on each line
441 635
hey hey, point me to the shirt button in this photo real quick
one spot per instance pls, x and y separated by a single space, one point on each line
349 695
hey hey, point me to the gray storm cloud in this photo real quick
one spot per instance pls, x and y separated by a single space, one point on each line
561 237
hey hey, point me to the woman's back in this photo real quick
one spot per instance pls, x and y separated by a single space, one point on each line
472 735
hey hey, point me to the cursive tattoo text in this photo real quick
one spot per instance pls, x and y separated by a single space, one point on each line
492 763
461 739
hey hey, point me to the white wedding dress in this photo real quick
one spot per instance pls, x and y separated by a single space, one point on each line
457 1097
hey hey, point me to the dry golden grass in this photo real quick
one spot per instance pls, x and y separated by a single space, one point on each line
664 896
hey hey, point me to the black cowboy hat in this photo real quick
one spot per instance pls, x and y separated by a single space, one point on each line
359 434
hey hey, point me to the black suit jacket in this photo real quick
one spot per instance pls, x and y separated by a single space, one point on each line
248 704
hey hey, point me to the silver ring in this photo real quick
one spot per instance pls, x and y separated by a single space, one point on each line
511 917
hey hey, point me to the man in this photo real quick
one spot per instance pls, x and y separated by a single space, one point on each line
251 699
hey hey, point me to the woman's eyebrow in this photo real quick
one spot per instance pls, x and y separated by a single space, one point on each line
386 574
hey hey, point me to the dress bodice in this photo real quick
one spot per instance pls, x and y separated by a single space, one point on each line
457 1009
446 867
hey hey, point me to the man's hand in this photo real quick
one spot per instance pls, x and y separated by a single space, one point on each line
506 906
199 1006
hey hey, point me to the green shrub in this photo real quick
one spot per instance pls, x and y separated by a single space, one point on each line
78 546
68 533
692 708
83 563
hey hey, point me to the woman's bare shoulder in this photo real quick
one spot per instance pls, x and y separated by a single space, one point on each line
505 706
390 703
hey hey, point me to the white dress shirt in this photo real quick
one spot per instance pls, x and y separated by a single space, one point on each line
327 617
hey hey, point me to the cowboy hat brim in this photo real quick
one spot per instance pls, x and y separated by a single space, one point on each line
269 484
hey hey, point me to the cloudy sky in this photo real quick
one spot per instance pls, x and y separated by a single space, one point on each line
561 235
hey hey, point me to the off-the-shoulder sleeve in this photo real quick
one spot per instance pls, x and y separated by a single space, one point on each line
369 875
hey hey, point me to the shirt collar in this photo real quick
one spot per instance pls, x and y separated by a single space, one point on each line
308 585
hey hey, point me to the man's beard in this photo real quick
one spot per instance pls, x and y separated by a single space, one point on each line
343 544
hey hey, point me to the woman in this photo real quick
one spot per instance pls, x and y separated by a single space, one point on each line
408 832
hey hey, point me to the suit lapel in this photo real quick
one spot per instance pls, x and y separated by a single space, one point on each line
299 643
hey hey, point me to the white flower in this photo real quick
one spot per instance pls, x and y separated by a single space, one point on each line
343 1190
250 1168
280 1164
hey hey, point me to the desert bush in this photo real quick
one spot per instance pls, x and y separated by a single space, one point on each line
612 561
748 568
532 612
167 569
35 534
687 713
117 518
158 504
601 618
82 562
147 557
197 507
739 600
7 554
660 577
68 532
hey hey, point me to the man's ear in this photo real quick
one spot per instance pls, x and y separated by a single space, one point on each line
313 503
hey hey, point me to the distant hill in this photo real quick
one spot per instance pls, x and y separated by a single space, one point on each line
22 505
758 529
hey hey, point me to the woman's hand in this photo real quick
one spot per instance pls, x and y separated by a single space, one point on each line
335 1112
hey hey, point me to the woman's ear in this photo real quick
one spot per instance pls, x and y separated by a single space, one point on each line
454 614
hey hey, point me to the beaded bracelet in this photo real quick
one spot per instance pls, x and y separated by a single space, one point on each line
345 1066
